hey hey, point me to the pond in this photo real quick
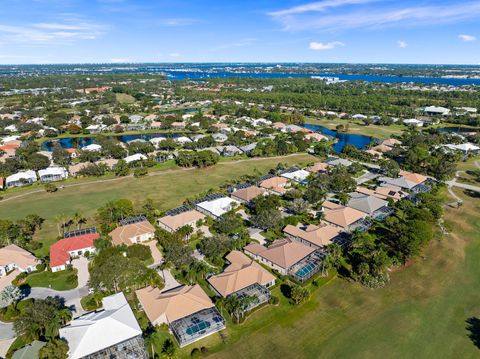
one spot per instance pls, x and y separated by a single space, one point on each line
359 141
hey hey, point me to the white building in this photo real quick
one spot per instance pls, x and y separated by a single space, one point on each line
134 158
106 333
436 110
217 207
52 174
92 148
297 176
21 179
413 122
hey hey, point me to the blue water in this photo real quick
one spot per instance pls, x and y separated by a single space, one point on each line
359 141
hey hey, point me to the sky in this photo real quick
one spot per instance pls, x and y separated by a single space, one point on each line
353 31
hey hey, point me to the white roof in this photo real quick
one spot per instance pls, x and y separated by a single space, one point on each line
218 206
436 109
22 175
92 147
9 138
298 176
464 147
95 331
157 139
135 157
182 139
53 171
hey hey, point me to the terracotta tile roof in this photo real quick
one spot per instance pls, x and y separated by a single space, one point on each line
14 254
320 236
342 216
174 304
318 167
241 273
413 177
59 250
249 193
181 219
123 234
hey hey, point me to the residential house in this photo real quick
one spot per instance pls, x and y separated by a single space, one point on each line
316 137
318 167
13 257
64 250
182 308
395 193
282 255
132 233
135 158
220 137
229 150
436 111
109 333
343 217
178 125
247 149
371 205
52 174
245 195
73 152
172 223
29 351
275 185
336 161
21 178
299 176
413 122
93 147
406 180
313 236
217 207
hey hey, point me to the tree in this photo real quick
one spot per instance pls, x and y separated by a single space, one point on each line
36 161
50 187
42 318
298 206
229 223
390 168
60 156
215 247
122 169
267 219
54 349
169 350
10 295
299 294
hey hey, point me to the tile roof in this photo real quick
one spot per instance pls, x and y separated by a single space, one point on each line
123 234
59 251
320 236
179 220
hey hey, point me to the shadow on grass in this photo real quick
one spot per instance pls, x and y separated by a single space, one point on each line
286 290
473 194
473 327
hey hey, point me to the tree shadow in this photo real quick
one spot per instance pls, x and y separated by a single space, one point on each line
473 326
286 290
473 194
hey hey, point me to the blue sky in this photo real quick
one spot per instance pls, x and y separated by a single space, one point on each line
79 31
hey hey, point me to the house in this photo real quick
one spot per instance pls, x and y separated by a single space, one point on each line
316 137
343 217
436 111
336 161
132 233
2 183
217 207
13 257
395 193
365 203
52 174
29 351
359 116
243 277
156 140
406 180
391 142
74 169
73 152
229 151
245 195
299 176
182 140
182 308
318 167
178 125
135 119
220 137
94 89
282 255
96 128
92 148
278 125
21 179
275 185
111 163
382 148
135 158
247 149
413 122
313 236
64 250
172 223
109 333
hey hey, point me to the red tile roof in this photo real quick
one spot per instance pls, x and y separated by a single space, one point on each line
59 251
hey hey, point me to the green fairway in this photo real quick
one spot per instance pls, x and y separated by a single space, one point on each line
421 313
166 188
356 127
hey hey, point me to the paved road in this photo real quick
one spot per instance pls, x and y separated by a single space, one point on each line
464 186
6 331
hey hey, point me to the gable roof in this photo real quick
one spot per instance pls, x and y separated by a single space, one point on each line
59 251
282 252
318 235
174 304
123 234
241 273
14 254
95 331
179 220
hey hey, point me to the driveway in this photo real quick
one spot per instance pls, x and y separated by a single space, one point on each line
170 281
156 254
5 281
5 345
6 331
81 265
256 234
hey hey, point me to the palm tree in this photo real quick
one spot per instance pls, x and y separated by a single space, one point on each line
343 198
61 220
79 219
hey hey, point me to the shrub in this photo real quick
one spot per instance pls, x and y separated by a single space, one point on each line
273 300
196 353
204 350
50 187
139 172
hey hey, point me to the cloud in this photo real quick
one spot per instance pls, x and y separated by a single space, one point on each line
325 45
318 6
467 38
44 33
360 15
178 22
174 54
402 44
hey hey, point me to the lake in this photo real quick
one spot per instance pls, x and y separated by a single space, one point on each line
359 141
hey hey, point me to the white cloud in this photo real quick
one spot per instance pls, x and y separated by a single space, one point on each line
402 44
360 15
467 38
178 22
174 54
119 60
325 45
45 33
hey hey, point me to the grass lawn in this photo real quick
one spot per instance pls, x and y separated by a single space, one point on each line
357 127
63 280
167 189
421 313
124 98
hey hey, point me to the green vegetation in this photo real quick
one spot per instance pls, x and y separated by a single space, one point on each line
62 280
